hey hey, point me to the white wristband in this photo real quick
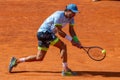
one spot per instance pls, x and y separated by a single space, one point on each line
68 38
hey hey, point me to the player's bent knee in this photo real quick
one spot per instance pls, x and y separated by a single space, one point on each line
63 46
63 50
41 53
39 59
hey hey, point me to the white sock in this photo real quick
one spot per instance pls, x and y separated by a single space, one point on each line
64 65
22 59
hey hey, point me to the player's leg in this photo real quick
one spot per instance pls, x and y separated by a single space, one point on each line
42 50
38 57
63 52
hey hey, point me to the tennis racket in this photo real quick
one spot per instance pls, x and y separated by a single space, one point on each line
95 52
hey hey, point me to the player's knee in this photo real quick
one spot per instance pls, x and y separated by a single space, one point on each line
39 58
63 50
63 46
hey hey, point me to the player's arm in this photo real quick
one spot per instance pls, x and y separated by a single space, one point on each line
75 40
58 27
62 33
72 33
59 30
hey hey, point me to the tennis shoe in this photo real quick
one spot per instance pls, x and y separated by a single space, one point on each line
12 64
69 73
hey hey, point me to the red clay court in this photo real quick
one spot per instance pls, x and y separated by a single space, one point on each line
98 23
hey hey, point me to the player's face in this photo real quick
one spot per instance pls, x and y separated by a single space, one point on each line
69 14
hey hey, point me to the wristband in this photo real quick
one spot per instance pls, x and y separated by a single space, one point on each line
75 39
68 38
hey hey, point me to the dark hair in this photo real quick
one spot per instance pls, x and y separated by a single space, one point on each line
67 9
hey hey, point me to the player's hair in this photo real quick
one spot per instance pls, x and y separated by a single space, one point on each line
67 9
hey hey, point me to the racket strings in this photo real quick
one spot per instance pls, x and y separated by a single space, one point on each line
96 53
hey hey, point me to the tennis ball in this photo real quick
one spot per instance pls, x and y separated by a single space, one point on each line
104 51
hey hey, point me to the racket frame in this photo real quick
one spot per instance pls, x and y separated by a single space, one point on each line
86 49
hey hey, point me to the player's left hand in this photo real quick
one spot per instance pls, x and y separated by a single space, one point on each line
77 44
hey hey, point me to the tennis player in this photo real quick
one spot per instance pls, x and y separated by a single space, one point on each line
46 35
